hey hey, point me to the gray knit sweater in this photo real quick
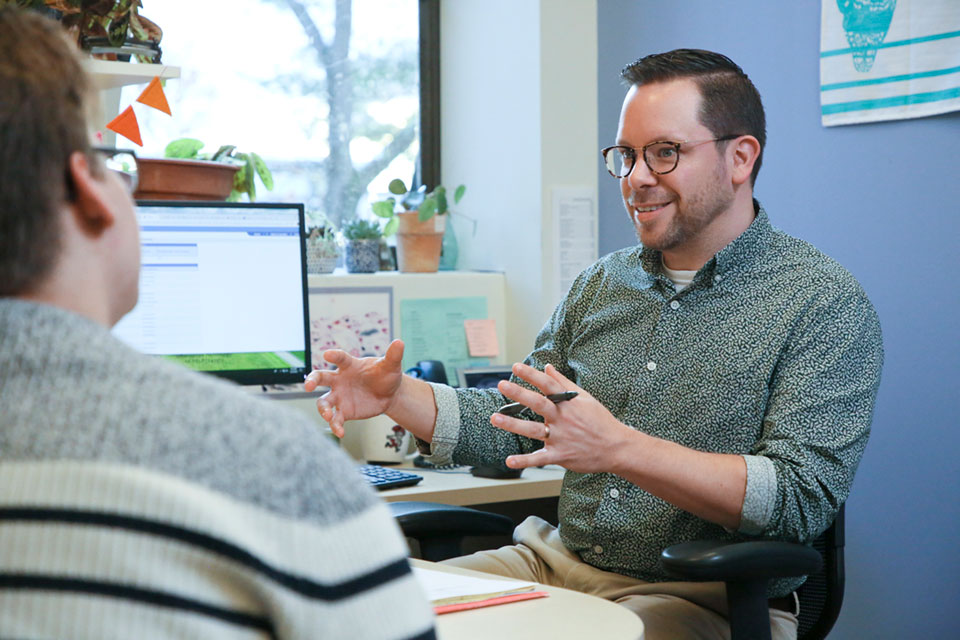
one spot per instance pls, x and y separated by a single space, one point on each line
70 391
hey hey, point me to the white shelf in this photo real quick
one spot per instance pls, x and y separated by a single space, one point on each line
111 74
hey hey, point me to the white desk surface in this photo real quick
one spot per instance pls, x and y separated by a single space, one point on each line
459 487
564 615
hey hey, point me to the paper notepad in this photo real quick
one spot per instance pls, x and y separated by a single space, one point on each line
455 592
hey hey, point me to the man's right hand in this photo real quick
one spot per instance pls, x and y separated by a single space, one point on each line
359 387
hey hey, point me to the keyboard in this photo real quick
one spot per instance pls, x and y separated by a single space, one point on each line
385 478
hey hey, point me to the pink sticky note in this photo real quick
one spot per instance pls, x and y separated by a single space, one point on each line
482 338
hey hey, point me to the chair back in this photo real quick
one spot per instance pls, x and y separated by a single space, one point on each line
821 596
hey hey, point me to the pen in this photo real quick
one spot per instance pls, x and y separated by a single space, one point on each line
515 408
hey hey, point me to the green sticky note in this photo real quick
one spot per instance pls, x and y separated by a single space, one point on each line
433 329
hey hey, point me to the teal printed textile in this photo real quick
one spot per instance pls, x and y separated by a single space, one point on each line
888 59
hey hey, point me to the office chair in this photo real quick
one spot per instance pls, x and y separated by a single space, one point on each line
744 566
441 528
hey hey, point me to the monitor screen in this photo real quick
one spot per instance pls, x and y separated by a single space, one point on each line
223 289
483 377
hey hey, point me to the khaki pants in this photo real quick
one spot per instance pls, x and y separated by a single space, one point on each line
669 610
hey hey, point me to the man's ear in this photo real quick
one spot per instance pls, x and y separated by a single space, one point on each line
91 203
745 151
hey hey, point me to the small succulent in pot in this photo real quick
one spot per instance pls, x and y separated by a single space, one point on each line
323 248
363 245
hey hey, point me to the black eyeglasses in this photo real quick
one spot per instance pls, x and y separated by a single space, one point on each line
123 162
661 156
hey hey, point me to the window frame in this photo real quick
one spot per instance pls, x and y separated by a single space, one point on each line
429 52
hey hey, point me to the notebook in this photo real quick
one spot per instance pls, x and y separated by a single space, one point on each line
455 592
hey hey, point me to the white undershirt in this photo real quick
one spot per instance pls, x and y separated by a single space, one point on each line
680 279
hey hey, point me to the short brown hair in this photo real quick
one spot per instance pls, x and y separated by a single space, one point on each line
44 94
730 103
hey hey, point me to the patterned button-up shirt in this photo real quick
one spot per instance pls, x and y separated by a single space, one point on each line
773 352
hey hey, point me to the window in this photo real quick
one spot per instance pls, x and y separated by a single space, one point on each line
327 92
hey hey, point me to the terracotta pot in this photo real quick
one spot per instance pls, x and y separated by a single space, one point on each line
419 243
174 179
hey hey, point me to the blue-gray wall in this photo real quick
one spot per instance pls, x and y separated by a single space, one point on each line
884 200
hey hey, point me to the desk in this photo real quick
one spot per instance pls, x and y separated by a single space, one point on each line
565 615
462 489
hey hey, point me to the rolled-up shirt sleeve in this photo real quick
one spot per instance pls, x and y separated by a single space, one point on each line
760 497
446 431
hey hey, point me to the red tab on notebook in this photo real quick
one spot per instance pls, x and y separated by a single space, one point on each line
463 606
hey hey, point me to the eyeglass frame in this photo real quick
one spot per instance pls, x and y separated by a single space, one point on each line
130 180
643 153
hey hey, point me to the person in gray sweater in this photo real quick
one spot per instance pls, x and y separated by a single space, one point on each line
136 497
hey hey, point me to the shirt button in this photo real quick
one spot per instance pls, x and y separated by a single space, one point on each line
717 278
614 493
674 305
651 366
597 549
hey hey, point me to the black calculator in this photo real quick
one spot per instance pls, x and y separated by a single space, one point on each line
385 478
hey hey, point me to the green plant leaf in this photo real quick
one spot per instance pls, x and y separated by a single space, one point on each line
251 172
462 189
183 148
383 208
119 23
391 227
397 187
234 196
360 229
427 209
240 180
265 176
226 151
441 195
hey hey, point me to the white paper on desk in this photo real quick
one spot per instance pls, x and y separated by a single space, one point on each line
575 243
452 588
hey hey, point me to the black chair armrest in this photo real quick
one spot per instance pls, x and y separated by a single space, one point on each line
440 528
745 568
715 560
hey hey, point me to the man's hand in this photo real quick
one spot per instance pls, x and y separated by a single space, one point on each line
359 388
578 434
585 437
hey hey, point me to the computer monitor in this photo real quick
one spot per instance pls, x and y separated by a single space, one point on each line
483 377
223 289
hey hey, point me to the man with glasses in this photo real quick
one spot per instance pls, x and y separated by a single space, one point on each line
138 498
726 372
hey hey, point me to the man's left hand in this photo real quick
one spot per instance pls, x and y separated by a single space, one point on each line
579 434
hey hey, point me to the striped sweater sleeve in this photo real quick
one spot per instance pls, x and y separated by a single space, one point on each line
94 550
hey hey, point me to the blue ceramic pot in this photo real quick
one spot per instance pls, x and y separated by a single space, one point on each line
362 256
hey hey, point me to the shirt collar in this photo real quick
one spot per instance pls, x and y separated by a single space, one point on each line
740 253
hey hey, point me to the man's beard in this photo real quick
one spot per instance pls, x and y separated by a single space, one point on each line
692 216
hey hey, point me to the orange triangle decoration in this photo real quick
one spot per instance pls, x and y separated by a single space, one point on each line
153 96
126 125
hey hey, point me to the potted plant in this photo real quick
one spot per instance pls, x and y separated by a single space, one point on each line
419 220
363 245
184 173
108 29
323 248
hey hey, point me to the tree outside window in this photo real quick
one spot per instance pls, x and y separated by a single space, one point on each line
326 91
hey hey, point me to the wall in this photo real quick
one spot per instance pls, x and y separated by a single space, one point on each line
883 200
518 117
